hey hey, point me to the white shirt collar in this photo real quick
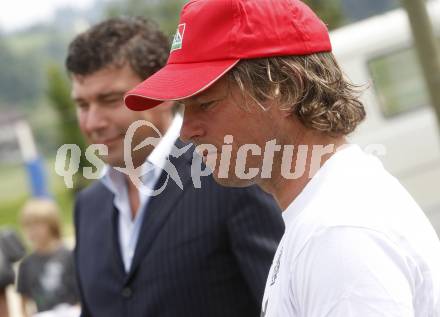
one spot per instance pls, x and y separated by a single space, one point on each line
115 181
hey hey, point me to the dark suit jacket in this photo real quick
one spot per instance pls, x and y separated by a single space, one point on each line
201 252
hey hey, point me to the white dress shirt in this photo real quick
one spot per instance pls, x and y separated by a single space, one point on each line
116 182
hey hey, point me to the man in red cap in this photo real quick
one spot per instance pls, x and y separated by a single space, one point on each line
257 77
148 242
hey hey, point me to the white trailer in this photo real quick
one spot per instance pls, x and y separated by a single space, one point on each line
379 52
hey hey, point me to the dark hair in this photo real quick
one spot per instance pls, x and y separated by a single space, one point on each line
117 41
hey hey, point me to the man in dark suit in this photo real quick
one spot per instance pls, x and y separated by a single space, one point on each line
184 252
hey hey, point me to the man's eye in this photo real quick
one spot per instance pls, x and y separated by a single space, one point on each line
82 105
111 104
206 105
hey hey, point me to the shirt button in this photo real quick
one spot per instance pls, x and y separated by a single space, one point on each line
127 292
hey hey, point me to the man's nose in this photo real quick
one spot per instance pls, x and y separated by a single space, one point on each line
191 127
95 119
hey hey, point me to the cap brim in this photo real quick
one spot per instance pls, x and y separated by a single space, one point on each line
176 82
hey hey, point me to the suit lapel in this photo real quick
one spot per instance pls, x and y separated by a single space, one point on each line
110 228
118 263
159 208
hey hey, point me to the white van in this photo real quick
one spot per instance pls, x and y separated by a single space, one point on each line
379 52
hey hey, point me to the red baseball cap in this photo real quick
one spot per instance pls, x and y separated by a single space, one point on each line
214 35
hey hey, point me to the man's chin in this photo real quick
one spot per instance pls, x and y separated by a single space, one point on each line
114 161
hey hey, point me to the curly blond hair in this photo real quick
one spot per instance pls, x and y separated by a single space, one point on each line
312 87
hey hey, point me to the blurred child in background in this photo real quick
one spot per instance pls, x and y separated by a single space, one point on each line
46 277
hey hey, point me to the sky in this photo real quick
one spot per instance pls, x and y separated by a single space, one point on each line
16 14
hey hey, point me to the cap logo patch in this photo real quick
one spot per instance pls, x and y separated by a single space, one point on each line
178 37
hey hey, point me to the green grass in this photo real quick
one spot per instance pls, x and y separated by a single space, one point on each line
13 182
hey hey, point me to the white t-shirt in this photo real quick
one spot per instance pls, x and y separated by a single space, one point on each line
356 244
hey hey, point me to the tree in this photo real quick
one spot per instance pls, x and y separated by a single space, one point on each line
164 12
16 88
330 11
59 97
427 48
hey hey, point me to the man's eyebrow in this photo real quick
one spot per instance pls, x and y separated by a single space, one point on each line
110 94
186 101
190 100
199 99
